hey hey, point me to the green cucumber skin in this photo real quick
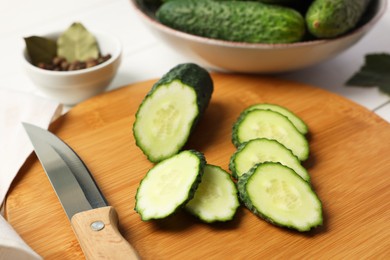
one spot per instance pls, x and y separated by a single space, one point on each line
236 125
245 199
332 18
193 76
202 165
299 124
191 192
251 22
232 163
218 220
279 2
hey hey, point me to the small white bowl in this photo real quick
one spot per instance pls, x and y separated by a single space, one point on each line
72 87
256 58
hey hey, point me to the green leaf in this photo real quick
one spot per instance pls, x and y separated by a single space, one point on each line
76 43
374 73
40 49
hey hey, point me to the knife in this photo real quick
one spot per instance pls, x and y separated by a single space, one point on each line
94 222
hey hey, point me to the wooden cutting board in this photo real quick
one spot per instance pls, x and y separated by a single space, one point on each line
349 166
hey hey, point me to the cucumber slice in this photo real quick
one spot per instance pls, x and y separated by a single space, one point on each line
280 196
258 123
216 198
171 110
169 185
296 120
264 150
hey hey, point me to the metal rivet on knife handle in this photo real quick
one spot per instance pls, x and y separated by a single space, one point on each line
108 242
97 225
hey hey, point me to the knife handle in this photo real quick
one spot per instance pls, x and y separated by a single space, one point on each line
99 237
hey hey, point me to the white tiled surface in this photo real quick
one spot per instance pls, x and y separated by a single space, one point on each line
146 57
384 111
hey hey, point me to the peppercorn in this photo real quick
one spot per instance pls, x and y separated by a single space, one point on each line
57 60
64 65
91 62
61 64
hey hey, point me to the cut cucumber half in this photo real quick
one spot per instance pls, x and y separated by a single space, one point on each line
169 185
264 150
277 194
296 120
171 110
259 123
216 198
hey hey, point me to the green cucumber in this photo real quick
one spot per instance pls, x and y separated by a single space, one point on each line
279 2
264 150
169 185
332 18
216 198
280 196
259 123
171 110
251 22
296 120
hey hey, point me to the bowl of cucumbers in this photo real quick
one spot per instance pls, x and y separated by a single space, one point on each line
264 36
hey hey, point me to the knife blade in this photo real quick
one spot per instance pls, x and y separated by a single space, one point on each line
94 222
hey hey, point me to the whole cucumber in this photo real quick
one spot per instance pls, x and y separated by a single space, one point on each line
331 18
251 22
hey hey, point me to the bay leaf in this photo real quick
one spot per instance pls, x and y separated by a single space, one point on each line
77 43
40 49
374 73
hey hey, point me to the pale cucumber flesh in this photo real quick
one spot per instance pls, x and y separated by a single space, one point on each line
297 121
169 185
216 198
164 120
277 194
264 150
268 124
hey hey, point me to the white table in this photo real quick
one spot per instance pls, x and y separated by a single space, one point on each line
146 57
